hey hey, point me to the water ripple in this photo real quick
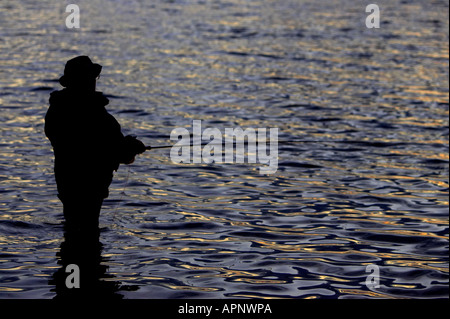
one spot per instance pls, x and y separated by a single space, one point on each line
372 189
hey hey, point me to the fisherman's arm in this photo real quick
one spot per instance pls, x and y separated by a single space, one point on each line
131 147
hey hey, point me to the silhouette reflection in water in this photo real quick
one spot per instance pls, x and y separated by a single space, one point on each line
83 249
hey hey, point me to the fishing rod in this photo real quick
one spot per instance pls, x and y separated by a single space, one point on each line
279 142
213 144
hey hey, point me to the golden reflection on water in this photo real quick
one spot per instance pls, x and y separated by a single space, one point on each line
424 264
254 296
367 293
174 287
402 232
9 289
222 272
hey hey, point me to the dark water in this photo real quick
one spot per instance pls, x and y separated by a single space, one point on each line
310 68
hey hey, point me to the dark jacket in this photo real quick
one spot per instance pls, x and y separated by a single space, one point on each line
87 141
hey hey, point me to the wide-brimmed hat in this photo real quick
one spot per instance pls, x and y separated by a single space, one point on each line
78 70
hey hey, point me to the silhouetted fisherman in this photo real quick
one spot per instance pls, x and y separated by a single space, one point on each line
87 142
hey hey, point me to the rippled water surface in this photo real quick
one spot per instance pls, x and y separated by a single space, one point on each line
310 68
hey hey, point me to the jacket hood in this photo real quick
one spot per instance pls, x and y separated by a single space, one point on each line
67 96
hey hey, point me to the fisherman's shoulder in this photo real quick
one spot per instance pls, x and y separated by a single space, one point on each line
57 96
101 98
56 99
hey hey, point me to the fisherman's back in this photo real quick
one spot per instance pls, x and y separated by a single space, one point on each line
87 142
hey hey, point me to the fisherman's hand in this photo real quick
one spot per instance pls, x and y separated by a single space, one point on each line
135 145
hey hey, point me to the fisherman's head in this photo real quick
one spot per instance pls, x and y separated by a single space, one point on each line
80 73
